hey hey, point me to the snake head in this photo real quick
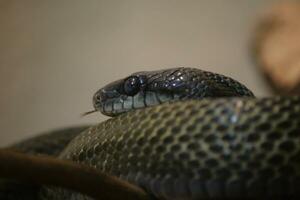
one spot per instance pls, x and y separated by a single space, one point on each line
149 88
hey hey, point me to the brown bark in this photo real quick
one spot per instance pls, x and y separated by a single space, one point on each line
52 171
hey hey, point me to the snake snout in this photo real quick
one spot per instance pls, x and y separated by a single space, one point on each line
106 101
99 98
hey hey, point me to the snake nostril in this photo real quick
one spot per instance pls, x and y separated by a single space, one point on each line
99 98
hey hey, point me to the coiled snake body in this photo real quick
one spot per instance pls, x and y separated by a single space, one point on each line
185 146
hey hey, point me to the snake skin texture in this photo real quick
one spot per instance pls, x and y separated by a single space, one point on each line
45 144
222 148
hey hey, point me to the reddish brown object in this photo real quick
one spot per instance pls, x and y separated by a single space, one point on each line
52 171
277 46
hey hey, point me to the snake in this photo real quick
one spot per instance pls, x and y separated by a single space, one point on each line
185 133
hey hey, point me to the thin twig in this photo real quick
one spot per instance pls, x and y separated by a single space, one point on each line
47 170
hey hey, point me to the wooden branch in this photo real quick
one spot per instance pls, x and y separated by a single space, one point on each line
48 170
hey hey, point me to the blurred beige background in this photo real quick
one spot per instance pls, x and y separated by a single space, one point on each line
55 54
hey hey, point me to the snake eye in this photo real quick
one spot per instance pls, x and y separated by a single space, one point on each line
132 85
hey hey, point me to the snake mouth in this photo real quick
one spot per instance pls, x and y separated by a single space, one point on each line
120 104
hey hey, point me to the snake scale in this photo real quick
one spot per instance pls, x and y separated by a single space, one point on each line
185 133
